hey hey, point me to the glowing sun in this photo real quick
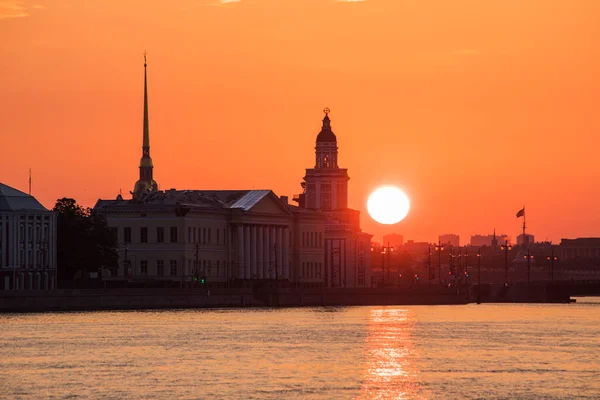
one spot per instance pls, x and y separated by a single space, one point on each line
388 205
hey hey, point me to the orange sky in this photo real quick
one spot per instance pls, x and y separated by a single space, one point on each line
473 107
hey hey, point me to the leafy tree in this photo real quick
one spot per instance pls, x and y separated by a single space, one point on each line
85 242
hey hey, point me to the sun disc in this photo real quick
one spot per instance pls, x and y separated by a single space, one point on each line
388 205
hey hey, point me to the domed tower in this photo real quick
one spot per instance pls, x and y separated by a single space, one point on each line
325 185
146 183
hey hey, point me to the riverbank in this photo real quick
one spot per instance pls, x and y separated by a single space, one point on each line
170 298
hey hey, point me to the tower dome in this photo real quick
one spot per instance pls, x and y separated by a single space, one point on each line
326 135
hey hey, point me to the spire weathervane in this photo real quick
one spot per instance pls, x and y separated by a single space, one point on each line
145 54
326 110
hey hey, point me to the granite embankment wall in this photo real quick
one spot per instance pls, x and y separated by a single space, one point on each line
134 298
154 298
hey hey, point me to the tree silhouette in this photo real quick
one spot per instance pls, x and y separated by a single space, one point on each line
85 242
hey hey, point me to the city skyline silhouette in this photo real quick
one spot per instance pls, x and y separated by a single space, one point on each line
469 121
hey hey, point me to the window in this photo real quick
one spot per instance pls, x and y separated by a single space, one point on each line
144 267
29 233
46 232
22 233
173 271
218 235
144 235
173 233
160 235
209 235
189 234
217 267
303 239
203 235
127 234
225 237
114 231
160 267
195 238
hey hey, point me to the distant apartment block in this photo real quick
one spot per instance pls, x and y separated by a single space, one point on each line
525 240
394 240
450 239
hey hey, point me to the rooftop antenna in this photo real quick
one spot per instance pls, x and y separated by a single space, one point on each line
30 181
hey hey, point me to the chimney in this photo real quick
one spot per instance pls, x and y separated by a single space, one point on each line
284 199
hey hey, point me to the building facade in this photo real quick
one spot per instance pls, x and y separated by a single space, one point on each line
325 193
238 237
27 242
579 248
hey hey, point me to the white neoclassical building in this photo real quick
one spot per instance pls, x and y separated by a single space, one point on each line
233 237
27 242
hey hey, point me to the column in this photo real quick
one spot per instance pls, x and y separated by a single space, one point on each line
240 252
273 251
253 257
280 251
246 252
286 253
267 252
34 243
3 224
259 250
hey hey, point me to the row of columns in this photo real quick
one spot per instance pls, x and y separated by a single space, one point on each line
262 252
29 281
16 247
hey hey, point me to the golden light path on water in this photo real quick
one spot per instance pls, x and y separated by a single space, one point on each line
390 373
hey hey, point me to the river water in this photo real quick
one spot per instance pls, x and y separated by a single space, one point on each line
510 351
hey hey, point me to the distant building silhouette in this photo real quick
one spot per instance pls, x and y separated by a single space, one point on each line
579 248
451 239
492 240
526 240
394 240
27 242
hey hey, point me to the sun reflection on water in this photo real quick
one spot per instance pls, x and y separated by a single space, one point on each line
389 352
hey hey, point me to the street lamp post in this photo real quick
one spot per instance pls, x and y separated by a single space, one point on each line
465 264
506 247
386 250
439 248
479 267
479 276
552 258
429 264
528 257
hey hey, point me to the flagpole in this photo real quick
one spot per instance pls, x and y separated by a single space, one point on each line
524 228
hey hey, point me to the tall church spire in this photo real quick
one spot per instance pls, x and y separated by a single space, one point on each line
146 143
146 182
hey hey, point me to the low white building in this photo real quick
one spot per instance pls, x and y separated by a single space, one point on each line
27 242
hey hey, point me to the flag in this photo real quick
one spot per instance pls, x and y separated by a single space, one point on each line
521 213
